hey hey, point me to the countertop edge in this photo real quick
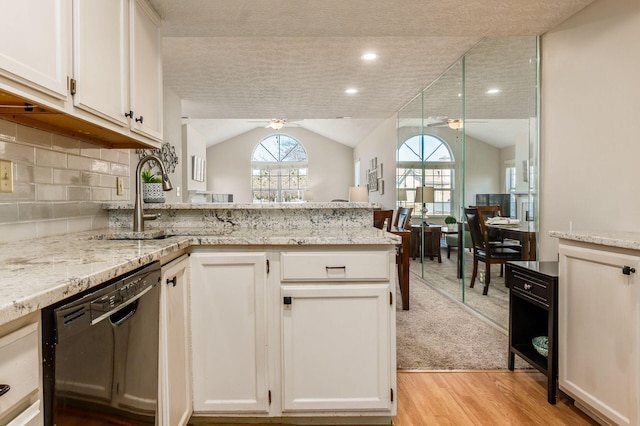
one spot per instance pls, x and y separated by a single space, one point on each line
618 239
244 206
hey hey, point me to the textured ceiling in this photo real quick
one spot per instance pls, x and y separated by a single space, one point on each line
253 60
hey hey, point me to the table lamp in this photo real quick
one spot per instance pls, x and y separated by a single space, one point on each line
358 194
402 195
424 195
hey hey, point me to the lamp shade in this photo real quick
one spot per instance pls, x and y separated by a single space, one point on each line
358 194
424 194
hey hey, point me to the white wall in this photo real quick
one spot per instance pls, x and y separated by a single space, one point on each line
193 144
482 170
590 104
330 164
380 143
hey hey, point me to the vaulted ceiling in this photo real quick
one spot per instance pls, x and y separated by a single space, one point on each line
238 63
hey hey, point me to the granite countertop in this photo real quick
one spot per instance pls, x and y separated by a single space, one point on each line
39 272
619 239
243 206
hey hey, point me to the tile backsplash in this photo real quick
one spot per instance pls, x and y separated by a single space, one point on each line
59 183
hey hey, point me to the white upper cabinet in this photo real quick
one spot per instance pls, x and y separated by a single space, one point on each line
146 71
92 68
100 58
35 48
117 63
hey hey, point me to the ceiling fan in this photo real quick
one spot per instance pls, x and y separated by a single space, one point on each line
276 123
453 123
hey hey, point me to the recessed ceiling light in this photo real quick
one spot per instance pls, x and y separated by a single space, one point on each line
351 91
493 91
369 56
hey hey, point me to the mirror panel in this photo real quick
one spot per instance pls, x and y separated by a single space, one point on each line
482 114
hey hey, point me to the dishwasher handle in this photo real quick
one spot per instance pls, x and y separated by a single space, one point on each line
122 315
120 307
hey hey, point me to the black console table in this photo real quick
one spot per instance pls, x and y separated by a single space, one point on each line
533 311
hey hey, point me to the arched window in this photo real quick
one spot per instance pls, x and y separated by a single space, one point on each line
278 170
432 154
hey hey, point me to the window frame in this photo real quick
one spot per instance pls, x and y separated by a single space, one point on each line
268 184
427 173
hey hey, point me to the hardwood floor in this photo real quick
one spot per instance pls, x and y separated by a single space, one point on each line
488 397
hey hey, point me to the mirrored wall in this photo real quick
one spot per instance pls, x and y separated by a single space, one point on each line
471 139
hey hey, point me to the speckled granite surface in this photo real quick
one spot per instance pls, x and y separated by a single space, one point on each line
226 217
627 240
40 272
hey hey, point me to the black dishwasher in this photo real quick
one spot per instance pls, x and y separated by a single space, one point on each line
100 353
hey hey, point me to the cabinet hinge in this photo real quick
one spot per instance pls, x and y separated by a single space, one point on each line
72 86
269 397
267 266
390 298
391 395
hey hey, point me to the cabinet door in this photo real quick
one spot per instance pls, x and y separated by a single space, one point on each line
598 327
100 61
146 71
35 44
175 371
228 324
336 347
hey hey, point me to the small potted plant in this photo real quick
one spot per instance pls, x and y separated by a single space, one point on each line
151 187
451 222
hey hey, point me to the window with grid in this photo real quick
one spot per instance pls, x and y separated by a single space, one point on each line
510 178
426 160
279 170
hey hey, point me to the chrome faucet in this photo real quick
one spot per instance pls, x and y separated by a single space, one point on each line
138 213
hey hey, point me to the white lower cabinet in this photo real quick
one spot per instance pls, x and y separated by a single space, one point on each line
20 370
335 347
599 330
229 323
275 338
175 367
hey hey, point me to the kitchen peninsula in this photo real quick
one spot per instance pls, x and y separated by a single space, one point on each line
291 307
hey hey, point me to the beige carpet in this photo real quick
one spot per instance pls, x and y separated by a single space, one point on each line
437 333
442 276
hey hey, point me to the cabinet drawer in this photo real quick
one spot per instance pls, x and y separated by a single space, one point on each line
19 365
529 286
335 266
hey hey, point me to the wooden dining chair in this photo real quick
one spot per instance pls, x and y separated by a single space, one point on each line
494 234
379 217
483 251
403 217
487 212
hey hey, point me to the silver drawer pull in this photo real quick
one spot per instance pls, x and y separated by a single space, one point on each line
527 287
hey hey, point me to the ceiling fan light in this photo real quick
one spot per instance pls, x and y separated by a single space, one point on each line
276 124
455 123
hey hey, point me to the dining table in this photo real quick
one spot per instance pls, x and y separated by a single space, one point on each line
524 232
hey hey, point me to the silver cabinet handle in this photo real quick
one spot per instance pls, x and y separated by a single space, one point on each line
527 287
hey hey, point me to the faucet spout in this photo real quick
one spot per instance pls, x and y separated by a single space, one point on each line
138 210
